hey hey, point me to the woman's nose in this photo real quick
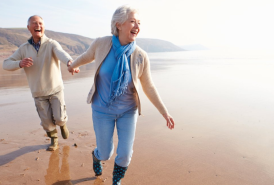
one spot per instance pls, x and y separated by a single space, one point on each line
137 25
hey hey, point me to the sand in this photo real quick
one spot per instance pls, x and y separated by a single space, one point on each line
223 134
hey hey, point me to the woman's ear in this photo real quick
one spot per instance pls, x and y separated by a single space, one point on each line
118 26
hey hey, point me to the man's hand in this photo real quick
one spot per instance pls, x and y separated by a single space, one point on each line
72 70
26 62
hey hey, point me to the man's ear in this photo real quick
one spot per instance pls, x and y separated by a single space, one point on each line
28 27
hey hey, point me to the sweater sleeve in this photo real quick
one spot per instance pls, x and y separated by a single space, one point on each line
60 53
150 89
87 57
12 63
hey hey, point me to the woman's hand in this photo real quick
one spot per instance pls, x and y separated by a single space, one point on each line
169 121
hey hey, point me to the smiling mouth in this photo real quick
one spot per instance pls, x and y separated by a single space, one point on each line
134 32
37 30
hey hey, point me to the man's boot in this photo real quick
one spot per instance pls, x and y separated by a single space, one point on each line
54 140
64 131
118 174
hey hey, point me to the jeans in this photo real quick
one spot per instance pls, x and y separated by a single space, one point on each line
104 127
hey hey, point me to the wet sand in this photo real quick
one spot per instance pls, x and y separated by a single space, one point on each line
223 135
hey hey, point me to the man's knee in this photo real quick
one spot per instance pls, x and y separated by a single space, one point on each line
60 117
58 108
60 121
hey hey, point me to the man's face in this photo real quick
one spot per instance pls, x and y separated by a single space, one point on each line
36 27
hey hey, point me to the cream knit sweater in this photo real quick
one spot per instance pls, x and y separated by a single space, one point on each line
139 64
44 76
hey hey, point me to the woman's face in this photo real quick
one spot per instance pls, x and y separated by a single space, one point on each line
129 30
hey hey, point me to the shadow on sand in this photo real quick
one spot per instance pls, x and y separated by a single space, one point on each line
4 159
72 182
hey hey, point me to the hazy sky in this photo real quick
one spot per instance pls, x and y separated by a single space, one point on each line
237 23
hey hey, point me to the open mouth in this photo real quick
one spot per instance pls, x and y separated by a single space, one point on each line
134 32
37 30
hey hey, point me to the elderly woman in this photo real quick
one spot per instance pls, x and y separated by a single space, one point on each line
114 95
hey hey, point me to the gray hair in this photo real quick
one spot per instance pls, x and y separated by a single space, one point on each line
120 16
32 17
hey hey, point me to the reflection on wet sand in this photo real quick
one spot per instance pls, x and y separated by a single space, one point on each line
61 176
55 175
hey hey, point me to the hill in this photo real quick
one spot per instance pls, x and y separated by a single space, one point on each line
157 45
194 47
12 38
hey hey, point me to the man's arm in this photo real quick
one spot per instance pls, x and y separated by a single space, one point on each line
13 62
60 53
26 62
63 56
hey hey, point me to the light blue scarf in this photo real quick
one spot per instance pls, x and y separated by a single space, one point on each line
120 75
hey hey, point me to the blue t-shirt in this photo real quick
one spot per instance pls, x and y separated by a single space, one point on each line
122 103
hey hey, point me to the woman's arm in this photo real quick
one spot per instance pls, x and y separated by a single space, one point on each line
169 121
87 57
152 93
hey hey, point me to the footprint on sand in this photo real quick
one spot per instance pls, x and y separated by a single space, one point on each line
99 181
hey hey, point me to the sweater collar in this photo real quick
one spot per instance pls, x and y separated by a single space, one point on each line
44 38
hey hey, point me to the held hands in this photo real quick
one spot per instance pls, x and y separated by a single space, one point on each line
26 62
72 70
169 121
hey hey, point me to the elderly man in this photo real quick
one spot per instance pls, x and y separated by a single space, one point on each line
39 57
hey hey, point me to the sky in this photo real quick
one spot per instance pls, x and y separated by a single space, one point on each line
212 23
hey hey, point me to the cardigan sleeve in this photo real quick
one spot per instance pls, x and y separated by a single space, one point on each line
150 89
87 57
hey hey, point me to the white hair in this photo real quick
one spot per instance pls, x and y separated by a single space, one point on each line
32 17
120 16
